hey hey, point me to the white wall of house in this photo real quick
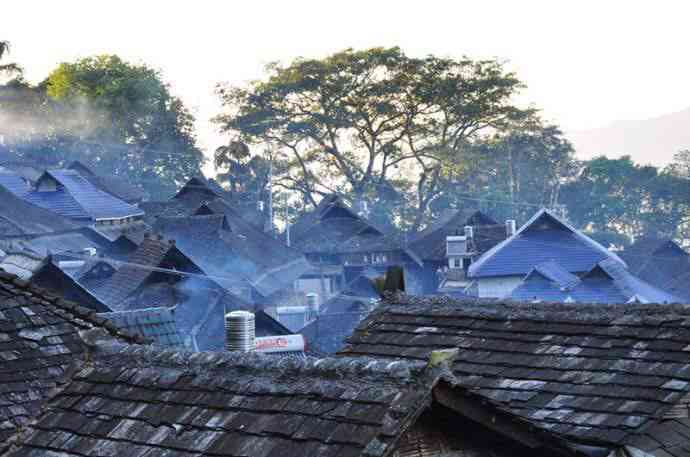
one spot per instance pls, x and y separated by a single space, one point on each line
498 287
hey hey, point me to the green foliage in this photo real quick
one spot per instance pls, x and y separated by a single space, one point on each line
621 196
115 116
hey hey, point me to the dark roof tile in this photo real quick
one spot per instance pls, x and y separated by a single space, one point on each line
39 340
599 363
178 404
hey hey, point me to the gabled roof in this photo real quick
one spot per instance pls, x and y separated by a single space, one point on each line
657 261
234 249
76 198
221 206
14 183
26 218
634 287
200 188
153 402
552 271
153 324
543 238
607 282
591 374
39 341
430 243
332 227
140 265
114 185
58 280
74 240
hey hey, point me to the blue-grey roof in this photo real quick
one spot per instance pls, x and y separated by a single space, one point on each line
608 282
154 324
13 182
544 238
555 273
98 204
76 198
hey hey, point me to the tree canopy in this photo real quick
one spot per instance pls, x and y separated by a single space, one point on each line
361 122
116 116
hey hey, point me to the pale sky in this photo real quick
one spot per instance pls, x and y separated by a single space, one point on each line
586 63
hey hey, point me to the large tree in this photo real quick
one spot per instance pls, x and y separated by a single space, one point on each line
357 122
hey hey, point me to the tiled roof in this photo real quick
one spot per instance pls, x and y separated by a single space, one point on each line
668 438
27 218
592 374
608 282
552 271
235 250
114 185
633 286
542 239
221 206
74 241
131 275
13 183
332 227
154 324
77 198
39 340
138 401
658 261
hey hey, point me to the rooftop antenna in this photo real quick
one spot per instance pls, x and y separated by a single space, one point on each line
287 222
269 229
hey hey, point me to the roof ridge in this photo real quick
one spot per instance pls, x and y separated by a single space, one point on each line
624 314
111 353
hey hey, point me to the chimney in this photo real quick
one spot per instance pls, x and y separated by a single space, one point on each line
313 305
240 331
469 232
510 227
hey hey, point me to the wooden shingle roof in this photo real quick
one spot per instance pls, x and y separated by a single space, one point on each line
39 340
592 374
138 401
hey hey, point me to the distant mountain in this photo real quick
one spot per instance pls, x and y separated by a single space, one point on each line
651 141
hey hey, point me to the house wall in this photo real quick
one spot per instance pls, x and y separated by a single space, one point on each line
497 287
313 285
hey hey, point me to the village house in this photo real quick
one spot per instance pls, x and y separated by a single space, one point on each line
111 184
156 325
419 378
470 230
342 245
545 237
19 217
199 192
70 195
247 262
